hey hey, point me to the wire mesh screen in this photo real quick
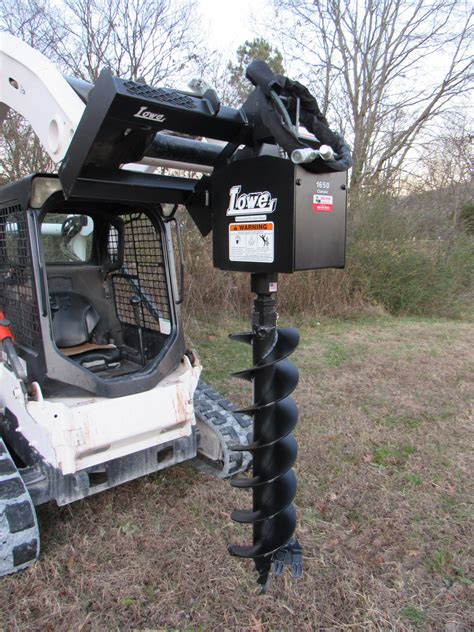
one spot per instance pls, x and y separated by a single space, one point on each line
17 295
140 287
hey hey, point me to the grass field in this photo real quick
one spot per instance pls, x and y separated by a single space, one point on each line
385 516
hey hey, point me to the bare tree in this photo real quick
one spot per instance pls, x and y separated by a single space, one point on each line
384 70
444 167
21 152
153 40
36 22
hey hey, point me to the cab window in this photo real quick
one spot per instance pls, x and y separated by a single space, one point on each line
67 238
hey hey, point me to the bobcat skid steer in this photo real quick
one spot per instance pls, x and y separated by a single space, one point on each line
96 384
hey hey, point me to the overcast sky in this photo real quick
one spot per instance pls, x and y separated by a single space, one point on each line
230 22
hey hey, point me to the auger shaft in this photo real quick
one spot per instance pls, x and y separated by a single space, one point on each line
264 319
273 446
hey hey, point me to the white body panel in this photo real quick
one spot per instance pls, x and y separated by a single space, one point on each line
74 433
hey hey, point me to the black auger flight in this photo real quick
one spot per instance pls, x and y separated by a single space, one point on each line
273 449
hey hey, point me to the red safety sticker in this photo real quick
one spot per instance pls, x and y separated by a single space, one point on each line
322 203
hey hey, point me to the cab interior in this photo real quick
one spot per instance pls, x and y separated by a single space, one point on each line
108 286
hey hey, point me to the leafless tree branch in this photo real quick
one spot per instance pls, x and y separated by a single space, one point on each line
384 68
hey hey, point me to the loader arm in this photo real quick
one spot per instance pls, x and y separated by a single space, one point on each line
32 86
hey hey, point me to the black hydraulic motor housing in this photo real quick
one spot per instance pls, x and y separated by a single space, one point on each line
275 201
270 215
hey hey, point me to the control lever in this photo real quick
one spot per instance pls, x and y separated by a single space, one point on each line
6 341
136 302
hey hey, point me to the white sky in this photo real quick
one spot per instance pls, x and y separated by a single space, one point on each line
230 22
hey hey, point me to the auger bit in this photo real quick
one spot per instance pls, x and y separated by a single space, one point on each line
273 482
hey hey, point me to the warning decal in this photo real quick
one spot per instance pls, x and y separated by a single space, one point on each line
322 203
251 242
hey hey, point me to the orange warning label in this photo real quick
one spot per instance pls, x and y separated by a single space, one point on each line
251 242
254 226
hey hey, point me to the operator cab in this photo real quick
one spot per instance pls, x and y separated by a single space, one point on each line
100 301
107 287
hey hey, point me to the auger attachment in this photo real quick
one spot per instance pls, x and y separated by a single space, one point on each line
273 448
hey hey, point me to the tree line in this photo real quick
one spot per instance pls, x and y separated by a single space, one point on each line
392 75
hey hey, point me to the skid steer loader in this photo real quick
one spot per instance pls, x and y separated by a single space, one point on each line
97 386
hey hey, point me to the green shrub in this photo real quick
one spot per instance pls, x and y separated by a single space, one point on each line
404 260
414 277
467 217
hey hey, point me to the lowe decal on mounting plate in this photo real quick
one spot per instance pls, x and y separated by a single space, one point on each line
258 202
149 116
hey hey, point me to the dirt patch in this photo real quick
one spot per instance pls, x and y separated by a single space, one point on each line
385 506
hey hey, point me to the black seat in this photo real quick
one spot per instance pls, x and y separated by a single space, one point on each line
74 321
98 358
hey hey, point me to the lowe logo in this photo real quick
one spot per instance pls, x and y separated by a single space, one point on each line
149 116
258 202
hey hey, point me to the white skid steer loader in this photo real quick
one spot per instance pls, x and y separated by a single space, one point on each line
96 385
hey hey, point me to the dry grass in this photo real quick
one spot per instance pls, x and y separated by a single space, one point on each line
385 486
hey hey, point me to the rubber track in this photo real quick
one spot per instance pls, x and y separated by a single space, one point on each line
19 533
232 429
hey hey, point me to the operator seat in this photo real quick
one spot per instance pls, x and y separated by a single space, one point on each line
74 321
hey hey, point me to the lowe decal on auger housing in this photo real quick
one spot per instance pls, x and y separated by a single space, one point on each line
261 202
97 386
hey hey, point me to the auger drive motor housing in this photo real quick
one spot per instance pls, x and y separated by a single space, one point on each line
270 215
